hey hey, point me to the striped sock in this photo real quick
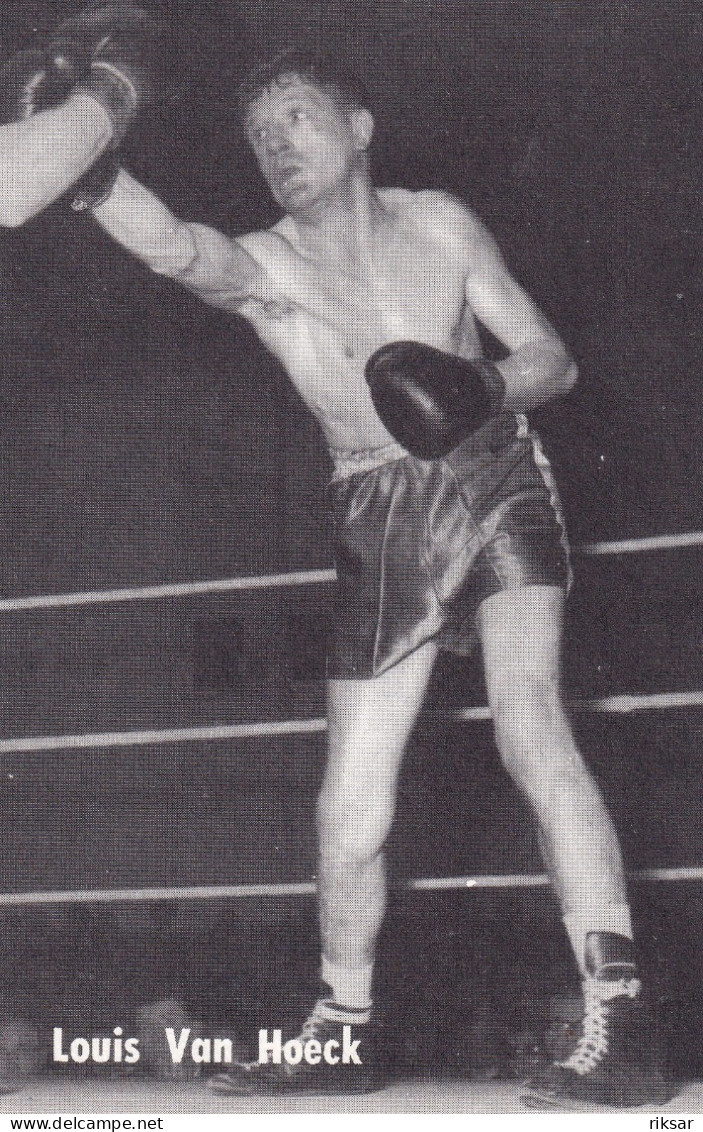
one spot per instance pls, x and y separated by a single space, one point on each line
610 918
351 991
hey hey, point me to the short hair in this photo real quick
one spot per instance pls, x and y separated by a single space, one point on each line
322 71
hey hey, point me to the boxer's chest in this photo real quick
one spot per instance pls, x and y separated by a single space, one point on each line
396 291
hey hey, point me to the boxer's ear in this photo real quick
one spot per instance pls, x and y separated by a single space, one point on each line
362 128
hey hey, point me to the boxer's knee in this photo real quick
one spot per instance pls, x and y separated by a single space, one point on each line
352 828
533 735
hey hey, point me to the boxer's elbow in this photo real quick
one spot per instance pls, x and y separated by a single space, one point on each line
560 368
571 374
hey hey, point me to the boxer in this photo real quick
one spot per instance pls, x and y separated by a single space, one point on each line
448 534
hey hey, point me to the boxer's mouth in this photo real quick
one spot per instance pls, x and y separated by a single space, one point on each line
286 174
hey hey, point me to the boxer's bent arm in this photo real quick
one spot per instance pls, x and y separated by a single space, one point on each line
42 156
538 367
215 267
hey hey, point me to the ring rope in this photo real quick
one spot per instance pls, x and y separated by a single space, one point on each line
169 590
640 545
308 888
613 704
299 578
146 738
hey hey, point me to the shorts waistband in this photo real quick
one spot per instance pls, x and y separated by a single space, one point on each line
351 463
366 459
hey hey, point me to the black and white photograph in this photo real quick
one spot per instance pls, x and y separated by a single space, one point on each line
351 568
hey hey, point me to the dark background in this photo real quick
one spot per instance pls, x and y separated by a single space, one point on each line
146 439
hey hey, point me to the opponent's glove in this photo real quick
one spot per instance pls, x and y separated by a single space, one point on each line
114 54
430 401
31 82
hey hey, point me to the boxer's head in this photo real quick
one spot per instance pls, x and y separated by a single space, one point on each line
309 124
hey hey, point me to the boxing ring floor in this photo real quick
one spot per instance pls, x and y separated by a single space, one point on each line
52 1095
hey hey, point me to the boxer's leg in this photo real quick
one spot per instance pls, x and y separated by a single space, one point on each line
370 722
616 1060
520 633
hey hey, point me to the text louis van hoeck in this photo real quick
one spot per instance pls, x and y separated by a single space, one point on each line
181 1045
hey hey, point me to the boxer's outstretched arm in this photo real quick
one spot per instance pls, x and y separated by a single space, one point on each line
42 156
215 267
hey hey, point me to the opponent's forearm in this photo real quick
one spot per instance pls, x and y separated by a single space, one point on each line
536 373
42 156
146 227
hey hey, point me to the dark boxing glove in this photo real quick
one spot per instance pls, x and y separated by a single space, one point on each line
30 83
114 53
430 401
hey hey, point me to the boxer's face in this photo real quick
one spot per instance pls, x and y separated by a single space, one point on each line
305 142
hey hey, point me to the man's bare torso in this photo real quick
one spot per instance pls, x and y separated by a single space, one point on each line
323 315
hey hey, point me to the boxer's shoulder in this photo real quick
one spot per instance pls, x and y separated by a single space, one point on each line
431 205
275 255
281 279
271 247
442 219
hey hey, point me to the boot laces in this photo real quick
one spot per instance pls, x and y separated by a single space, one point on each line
593 1044
312 1024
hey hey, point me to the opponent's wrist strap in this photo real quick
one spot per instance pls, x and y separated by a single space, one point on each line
95 186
